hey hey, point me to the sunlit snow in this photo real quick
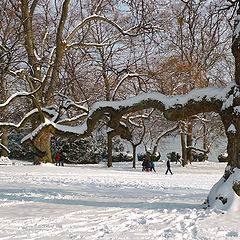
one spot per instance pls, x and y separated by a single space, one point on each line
93 202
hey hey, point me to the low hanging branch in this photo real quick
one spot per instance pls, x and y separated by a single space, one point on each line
174 108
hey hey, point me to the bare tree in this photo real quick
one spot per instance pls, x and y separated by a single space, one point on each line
49 34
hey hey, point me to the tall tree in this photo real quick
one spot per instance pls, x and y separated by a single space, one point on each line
50 31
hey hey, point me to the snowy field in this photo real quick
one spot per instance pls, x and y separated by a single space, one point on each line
93 202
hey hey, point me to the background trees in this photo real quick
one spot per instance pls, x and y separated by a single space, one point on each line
76 53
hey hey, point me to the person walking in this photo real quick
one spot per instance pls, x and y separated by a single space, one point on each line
168 167
149 165
144 165
153 166
61 160
178 158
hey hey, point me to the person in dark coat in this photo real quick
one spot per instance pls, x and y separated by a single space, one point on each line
178 158
145 165
61 160
149 165
153 166
168 167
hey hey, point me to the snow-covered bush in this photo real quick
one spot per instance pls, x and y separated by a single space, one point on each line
16 149
154 157
197 157
82 151
223 157
172 156
122 157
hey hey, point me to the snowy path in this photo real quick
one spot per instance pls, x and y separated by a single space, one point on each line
94 202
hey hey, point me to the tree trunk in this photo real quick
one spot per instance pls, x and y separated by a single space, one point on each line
189 142
109 145
184 152
4 153
134 155
205 155
225 191
43 143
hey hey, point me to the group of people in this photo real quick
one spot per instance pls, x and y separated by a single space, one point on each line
59 159
148 165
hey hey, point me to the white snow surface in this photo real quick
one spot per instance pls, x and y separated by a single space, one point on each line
93 202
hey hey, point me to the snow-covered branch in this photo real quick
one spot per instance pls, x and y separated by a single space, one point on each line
22 123
129 75
14 96
5 148
164 134
174 108
96 17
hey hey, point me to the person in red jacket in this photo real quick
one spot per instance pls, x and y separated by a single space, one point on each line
57 159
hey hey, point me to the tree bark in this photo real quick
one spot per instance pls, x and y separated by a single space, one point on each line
110 136
60 51
134 155
4 153
205 155
43 143
184 150
189 142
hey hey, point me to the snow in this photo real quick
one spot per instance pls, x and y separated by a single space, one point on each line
93 202
232 129
169 102
237 27
221 188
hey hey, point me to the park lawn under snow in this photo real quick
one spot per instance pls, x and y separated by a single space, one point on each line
93 202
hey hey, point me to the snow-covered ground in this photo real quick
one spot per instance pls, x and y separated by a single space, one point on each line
93 202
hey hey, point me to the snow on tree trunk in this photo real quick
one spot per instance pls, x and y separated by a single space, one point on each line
225 194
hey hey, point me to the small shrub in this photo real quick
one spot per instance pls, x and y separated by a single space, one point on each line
223 157
197 157
122 157
154 157
173 156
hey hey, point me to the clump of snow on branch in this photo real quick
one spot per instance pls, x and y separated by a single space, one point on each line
232 129
237 28
171 101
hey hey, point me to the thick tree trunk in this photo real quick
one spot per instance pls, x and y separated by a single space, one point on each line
225 194
43 143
